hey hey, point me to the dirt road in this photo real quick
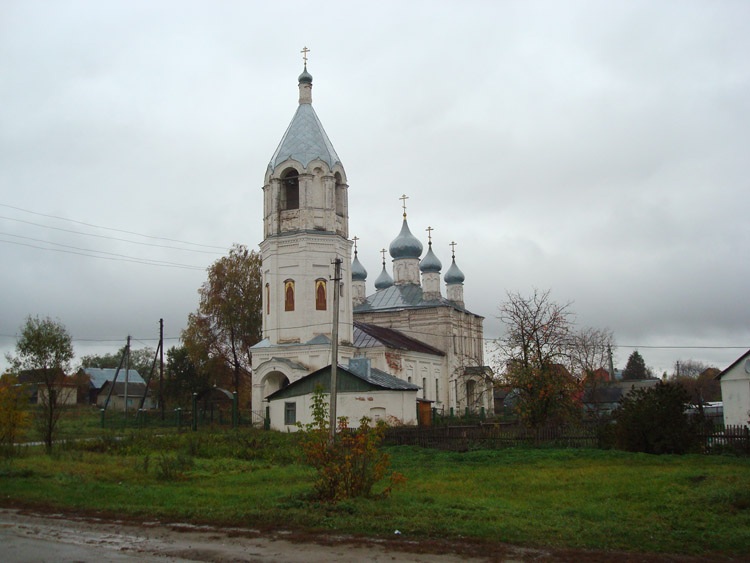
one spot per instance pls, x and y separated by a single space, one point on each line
27 536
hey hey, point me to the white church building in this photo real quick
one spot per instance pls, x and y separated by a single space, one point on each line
407 329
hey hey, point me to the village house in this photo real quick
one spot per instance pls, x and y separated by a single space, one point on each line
735 391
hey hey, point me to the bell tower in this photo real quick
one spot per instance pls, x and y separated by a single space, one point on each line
305 229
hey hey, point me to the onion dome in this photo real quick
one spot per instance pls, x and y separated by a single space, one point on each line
430 262
384 280
454 274
305 77
358 270
405 245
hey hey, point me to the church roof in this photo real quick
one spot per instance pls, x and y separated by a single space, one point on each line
407 296
405 245
358 270
430 262
454 274
384 280
305 140
368 336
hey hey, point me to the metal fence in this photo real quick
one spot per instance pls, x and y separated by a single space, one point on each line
464 437
727 439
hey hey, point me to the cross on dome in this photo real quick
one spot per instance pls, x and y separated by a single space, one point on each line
429 234
403 199
453 249
383 253
304 52
355 239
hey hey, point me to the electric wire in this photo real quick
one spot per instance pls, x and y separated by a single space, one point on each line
109 228
135 261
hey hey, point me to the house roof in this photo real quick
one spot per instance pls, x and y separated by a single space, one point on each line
406 296
734 363
99 376
37 375
347 380
369 335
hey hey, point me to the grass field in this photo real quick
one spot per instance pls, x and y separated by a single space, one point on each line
539 497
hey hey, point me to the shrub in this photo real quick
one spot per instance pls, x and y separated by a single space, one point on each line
173 468
13 417
349 466
654 421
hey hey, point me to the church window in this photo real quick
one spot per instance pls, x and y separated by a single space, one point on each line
339 194
290 413
470 390
290 190
424 387
289 295
268 299
437 389
320 295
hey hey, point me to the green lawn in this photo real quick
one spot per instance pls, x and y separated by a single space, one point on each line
541 497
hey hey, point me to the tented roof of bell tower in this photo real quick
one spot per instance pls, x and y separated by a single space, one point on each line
305 140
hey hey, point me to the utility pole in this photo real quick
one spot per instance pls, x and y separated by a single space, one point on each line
335 345
127 373
161 366
611 364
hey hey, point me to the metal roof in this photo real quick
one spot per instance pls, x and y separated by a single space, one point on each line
305 140
369 336
407 296
405 245
99 376
372 381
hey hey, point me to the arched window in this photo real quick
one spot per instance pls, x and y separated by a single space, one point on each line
268 299
290 190
320 295
289 295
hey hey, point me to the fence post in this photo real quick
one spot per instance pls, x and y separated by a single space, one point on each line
195 412
481 413
179 419
234 409
103 418
267 421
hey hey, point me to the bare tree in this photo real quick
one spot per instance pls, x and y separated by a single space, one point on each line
45 349
589 351
538 330
533 355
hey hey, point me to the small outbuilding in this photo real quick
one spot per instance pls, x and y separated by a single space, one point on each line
735 391
362 391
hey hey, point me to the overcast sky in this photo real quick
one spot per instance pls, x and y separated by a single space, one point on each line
596 149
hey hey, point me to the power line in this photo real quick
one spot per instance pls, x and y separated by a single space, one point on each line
124 259
109 228
148 260
109 238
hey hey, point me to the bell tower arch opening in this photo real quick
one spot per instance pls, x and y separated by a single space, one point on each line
289 190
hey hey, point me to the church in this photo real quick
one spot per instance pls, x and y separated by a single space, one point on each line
414 341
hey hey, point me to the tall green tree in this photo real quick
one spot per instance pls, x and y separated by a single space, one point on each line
183 377
45 349
635 368
654 421
228 320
